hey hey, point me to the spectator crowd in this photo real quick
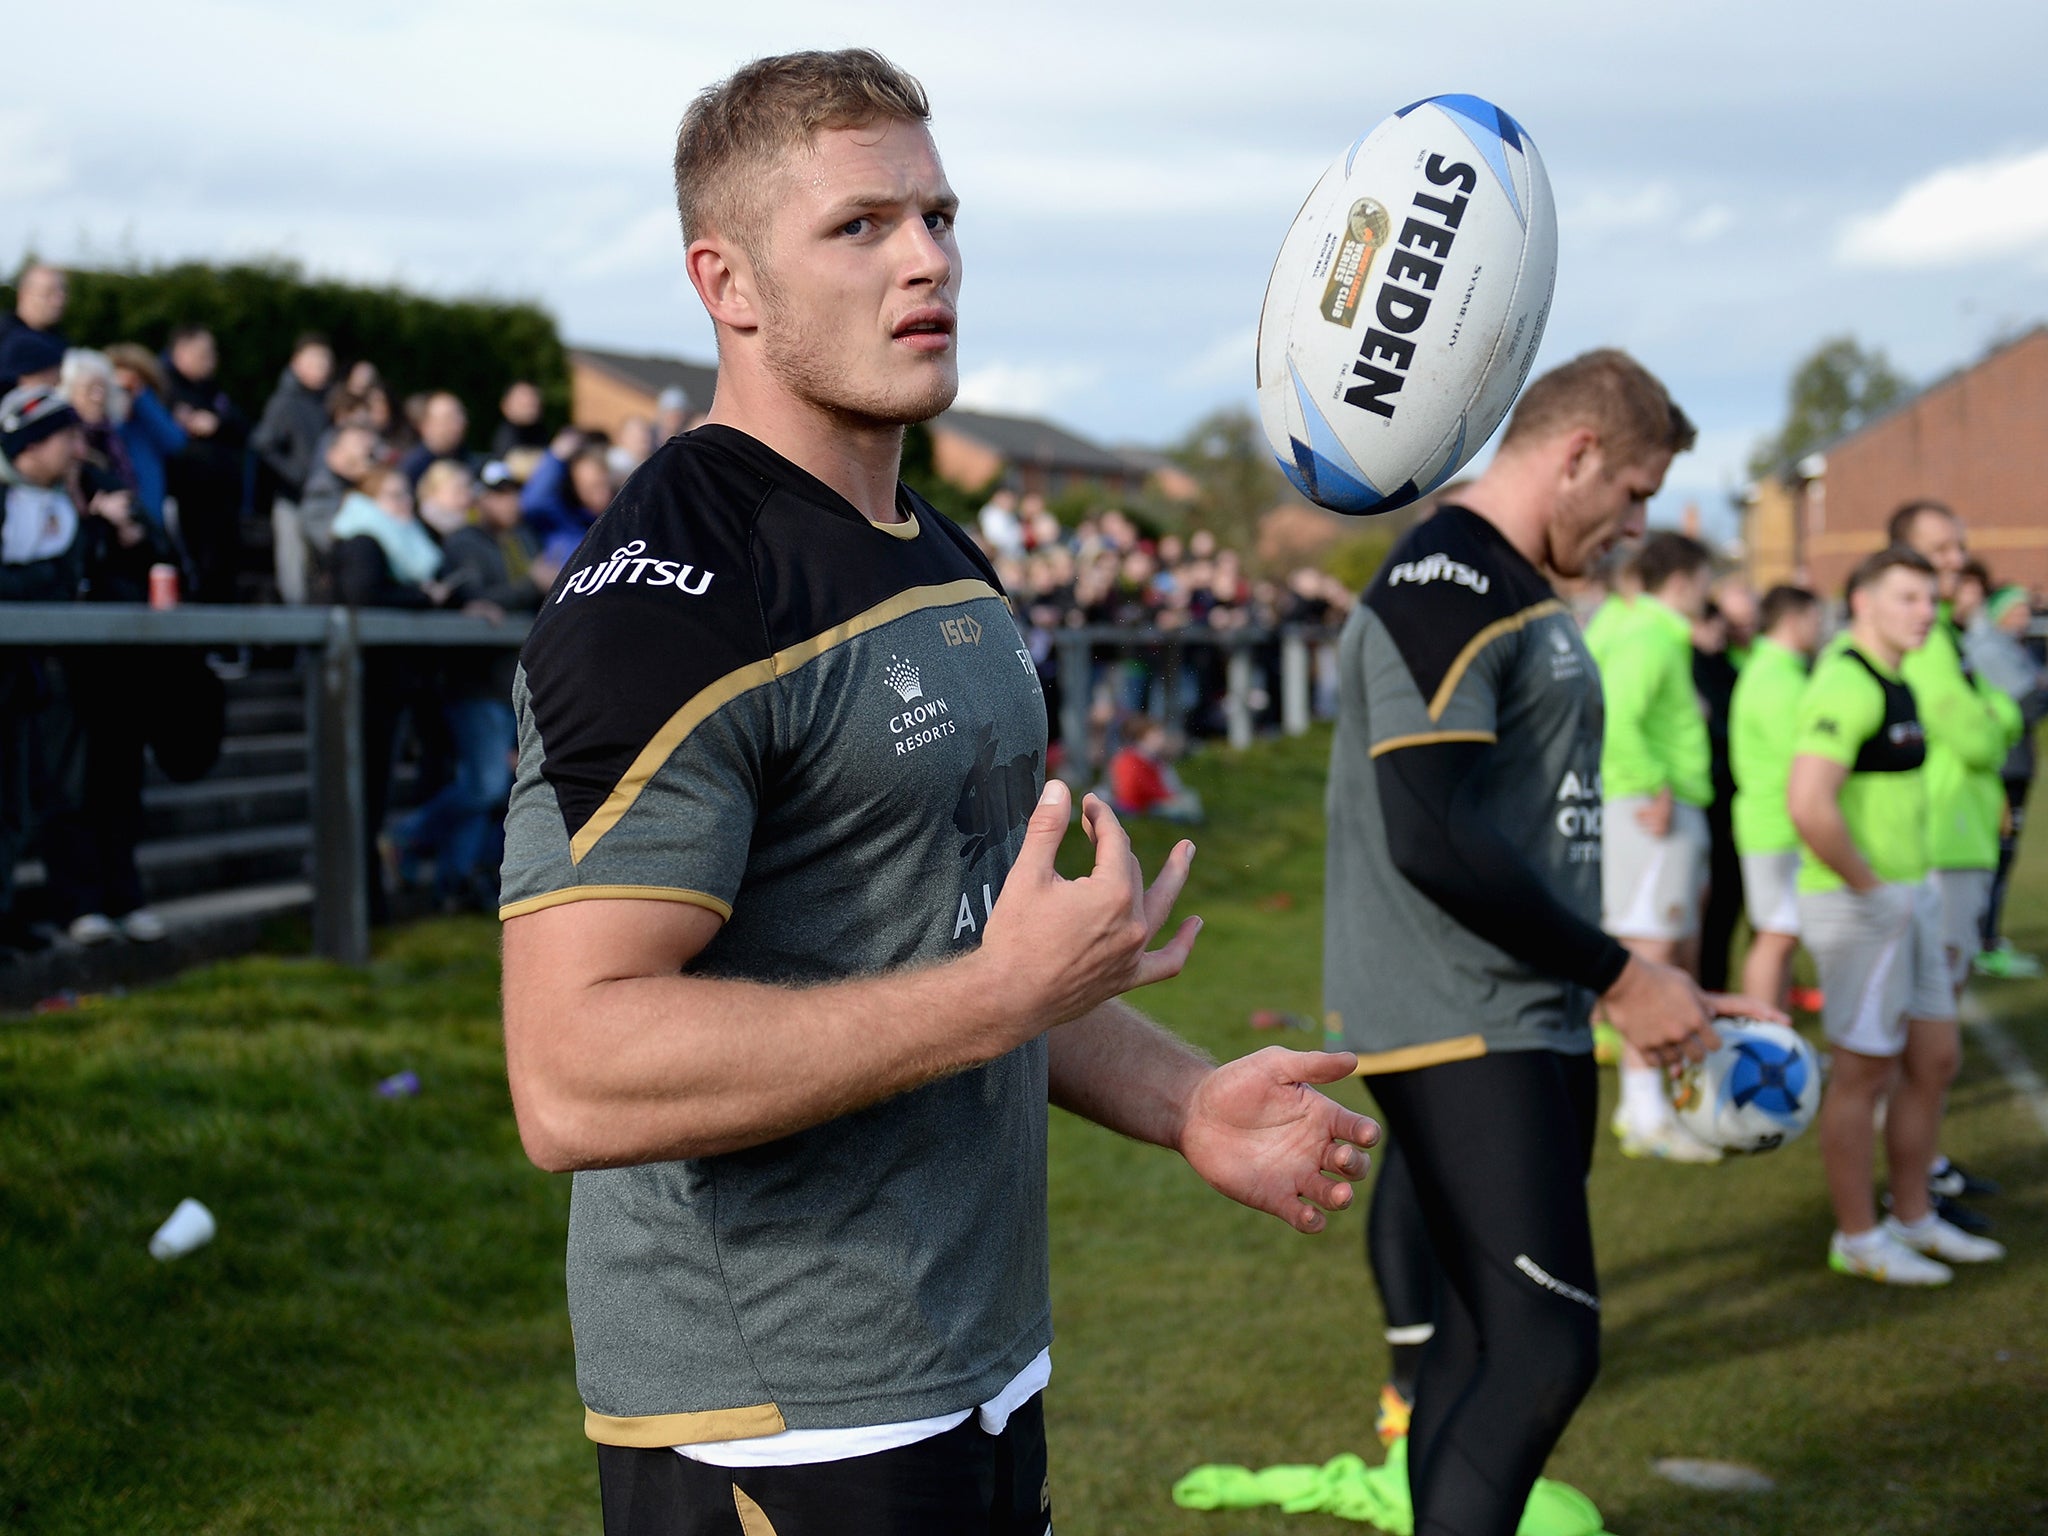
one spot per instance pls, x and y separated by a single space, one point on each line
126 465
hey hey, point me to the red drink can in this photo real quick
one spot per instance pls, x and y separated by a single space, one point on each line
163 586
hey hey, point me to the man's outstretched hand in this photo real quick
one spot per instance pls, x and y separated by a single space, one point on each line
1259 1132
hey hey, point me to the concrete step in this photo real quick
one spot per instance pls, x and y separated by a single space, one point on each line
223 804
210 862
260 714
211 926
247 757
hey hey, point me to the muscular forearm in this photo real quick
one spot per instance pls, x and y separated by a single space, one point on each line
1116 1067
663 1067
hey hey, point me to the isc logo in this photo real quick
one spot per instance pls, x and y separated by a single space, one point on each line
961 631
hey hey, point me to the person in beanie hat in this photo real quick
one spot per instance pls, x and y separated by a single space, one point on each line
29 357
41 561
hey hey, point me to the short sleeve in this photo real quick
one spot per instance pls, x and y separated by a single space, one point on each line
676 826
1841 709
1403 710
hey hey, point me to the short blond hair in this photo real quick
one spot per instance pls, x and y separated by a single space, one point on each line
739 128
1614 395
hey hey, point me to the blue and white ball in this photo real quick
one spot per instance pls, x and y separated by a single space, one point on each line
1406 305
1759 1090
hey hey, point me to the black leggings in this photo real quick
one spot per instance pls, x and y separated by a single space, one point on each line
1496 1151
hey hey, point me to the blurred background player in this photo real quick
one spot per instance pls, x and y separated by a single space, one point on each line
1994 649
1462 953
1873 923
1656 773
1762 719
1969 731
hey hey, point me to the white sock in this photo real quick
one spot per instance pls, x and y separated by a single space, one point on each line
1925 1223
1643 1104
1865 1242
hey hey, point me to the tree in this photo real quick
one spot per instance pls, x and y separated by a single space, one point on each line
1226 453
1835 390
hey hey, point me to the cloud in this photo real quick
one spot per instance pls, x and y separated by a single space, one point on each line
1607 211
30 164
1030 388
1710 223
1980 211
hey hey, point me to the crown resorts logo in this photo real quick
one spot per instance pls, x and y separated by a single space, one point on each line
902 676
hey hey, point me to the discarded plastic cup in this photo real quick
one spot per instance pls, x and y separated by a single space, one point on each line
190 1226
400 1085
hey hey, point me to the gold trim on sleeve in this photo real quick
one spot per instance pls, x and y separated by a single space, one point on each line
708 701
1428 738
654 1430
1434 1054
528 904
1479 642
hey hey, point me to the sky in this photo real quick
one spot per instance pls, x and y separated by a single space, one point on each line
1735 181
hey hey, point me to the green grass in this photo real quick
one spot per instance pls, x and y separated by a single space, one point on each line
377 1340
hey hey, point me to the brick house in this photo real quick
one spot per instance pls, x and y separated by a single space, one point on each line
969 448
1977 440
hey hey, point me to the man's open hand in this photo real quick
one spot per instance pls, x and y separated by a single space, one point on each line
1259 1132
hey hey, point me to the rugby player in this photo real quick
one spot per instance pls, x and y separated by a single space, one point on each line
1968 735
1656 769
1760 725
1872 922
1462 946
789 975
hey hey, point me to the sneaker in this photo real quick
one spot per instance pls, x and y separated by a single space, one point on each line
143 926
1391 1422
1606 1044
1939 1239
1956 1214
2006 964
1669 1142
1953 1180
1887 1261
92 928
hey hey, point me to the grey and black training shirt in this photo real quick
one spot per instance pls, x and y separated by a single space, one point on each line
1463 881
744 695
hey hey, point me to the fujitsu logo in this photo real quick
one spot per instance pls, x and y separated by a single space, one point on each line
1437 567
903 676
631 564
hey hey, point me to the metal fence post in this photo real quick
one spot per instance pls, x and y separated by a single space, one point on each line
334 714
1294 703
1076 684
1238 673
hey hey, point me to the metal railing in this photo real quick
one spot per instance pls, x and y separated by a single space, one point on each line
334 641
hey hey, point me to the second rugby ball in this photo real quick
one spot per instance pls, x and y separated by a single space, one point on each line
1406 305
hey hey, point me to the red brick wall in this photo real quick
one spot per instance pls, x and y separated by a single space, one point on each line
1978 442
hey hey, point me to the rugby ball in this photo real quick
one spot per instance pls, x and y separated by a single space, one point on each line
1757 1091
1406 305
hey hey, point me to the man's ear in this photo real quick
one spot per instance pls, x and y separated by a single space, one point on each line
1580 458
725 282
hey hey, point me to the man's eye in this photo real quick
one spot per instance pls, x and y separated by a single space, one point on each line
938 223
857 226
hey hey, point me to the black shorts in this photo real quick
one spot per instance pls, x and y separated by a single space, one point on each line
965 1482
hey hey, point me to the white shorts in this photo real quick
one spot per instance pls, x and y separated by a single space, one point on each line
1880 963
1770 891
1651 887
1965 897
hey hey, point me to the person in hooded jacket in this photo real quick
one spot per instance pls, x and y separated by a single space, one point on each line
285 442
208 477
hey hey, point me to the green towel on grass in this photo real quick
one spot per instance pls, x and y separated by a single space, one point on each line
1346 1487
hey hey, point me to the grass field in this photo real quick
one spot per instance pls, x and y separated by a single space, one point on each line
376 1342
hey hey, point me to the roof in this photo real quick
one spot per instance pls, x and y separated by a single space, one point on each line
1017 439
653 374
1027 440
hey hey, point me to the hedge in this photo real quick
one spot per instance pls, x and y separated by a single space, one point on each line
474 347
